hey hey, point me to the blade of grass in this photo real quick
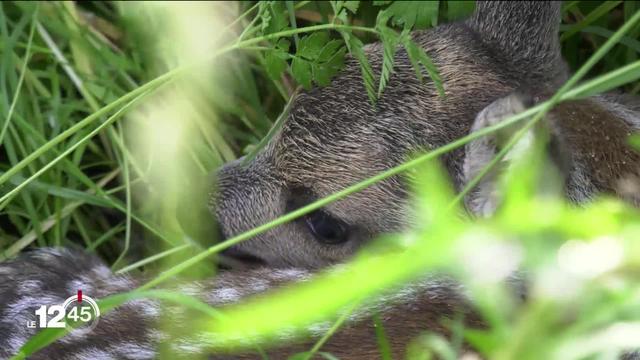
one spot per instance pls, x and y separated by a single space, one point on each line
4 199
153 258
336 325
597 13
50 222
27 56
381 337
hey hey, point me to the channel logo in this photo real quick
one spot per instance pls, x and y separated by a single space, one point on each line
77 310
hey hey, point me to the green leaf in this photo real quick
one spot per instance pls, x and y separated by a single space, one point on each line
276 59
340 6
325 58
413 14
301 71
390 46
355 48
273 16
459 9
275 63
419 58
310 46
323 72
283 44
351 6
265 16
329 50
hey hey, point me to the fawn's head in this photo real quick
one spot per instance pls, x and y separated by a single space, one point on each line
334 137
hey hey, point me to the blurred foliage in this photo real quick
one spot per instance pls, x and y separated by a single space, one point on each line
70 70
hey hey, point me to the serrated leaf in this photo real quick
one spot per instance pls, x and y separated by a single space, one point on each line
275 63
355 47
413 58
339 6
310 46
265 16
414 14
274 13
419 59
329 50
351 6
324 56
390 45
301 71
323 72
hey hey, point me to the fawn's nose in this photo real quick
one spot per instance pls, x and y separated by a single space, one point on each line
226 183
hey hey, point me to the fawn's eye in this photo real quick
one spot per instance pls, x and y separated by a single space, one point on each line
327 229
324 227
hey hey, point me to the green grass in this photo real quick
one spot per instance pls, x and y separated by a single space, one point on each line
79 83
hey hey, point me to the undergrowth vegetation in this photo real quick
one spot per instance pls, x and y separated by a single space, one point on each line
114 115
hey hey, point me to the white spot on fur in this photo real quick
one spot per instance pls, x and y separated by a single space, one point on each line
74 285
226 295
194 345
187 347
22 305
47 254
319 329
75 335
259 285
29 287
289 274
121 283
93 354
134 351
193 289
102 271
148 308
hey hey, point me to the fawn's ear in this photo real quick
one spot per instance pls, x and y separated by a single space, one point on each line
486 196
523 34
